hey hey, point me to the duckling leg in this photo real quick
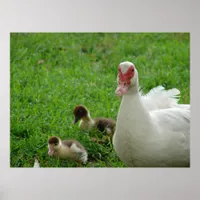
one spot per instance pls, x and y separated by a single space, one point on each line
94 139
97 140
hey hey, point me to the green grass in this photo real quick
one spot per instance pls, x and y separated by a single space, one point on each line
81 68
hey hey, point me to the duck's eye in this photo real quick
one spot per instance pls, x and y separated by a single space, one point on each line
132 70
124 83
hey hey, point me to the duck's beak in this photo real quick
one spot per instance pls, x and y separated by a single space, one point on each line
121 89
76 119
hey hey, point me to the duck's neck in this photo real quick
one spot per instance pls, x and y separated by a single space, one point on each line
86 122
87 118
58 147
133 115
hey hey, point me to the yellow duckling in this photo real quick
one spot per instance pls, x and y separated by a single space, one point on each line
87 123
67 149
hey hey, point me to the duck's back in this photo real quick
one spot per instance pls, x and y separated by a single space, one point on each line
105 124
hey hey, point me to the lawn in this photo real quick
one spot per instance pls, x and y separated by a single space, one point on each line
50 73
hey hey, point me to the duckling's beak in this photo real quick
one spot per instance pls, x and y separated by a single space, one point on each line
50 152
76 119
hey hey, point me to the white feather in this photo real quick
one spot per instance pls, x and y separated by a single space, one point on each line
159 98
82 154
36 163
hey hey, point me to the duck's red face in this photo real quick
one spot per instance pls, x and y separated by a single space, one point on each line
124 80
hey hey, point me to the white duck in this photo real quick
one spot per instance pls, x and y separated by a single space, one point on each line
146 137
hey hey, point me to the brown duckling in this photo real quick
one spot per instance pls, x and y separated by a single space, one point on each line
87 123
67 149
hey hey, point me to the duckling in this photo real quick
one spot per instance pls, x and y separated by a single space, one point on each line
87 123
67 149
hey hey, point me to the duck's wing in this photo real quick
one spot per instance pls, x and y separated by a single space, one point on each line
69 144
172 121
159 98
103 123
